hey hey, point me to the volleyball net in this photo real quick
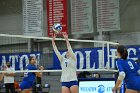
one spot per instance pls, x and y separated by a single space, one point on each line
91 55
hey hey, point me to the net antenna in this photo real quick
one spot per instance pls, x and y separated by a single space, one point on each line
19 44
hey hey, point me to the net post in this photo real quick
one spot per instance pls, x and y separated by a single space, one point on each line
108 57
103 46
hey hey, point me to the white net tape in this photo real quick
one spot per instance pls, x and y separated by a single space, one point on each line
48 38
81 70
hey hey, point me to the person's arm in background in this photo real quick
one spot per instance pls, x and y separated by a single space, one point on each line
1 76
39 74
69 46
55 49
10 74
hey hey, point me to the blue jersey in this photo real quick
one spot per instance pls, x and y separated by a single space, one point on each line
132 78
138 64
30 76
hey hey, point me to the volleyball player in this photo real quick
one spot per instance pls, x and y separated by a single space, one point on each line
29 77
69 81
128 71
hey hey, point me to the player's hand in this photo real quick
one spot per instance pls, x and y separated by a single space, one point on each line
65 35
114 89
41 67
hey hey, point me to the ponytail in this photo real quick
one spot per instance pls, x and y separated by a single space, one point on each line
123 52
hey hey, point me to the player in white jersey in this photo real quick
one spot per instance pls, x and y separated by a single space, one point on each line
68 64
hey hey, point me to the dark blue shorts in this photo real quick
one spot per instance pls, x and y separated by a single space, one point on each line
133 83
69 84
25 85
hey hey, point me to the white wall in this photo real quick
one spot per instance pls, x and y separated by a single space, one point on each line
130 23
11 24
11 16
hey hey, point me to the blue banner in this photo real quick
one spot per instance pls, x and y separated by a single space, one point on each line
18 60
92 57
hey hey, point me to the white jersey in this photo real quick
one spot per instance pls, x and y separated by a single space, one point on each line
9 79
68 65
68 70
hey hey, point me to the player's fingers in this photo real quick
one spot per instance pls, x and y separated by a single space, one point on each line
52 34
41 67
62 34
65 33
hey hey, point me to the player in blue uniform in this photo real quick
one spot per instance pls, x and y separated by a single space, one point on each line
29 77
128 71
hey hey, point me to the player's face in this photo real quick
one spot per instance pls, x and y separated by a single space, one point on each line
8 64
118 54
33 61
67 54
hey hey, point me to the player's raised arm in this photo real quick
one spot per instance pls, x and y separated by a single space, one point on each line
55 49
69 46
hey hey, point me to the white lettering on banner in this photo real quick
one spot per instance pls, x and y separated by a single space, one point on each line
3 61
113 54
19 58
133 50
33 55
38 59
88 59
100 57
85 58
93 65
21 61
81 65
13 59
